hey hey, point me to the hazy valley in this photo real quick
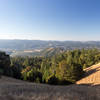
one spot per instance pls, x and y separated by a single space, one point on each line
43 48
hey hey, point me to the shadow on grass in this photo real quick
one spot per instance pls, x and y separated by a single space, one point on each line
90 72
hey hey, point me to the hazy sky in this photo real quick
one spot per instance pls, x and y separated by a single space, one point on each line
50 19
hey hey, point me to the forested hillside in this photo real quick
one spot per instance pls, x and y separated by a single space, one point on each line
59 69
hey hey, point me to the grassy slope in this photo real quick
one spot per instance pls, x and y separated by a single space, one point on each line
12 89
92 75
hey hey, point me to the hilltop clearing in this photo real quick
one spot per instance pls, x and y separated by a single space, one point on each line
12 89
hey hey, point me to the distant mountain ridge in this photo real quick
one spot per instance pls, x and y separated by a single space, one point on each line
40 47
38 44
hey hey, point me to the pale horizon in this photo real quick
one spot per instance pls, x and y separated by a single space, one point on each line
30 37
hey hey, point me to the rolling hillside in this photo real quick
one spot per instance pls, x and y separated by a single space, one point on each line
12 89
41 48
92 75
9 45
48 52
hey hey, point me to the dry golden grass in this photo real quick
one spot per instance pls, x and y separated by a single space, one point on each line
12 89
92 75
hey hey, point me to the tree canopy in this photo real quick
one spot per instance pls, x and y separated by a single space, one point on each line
64 68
